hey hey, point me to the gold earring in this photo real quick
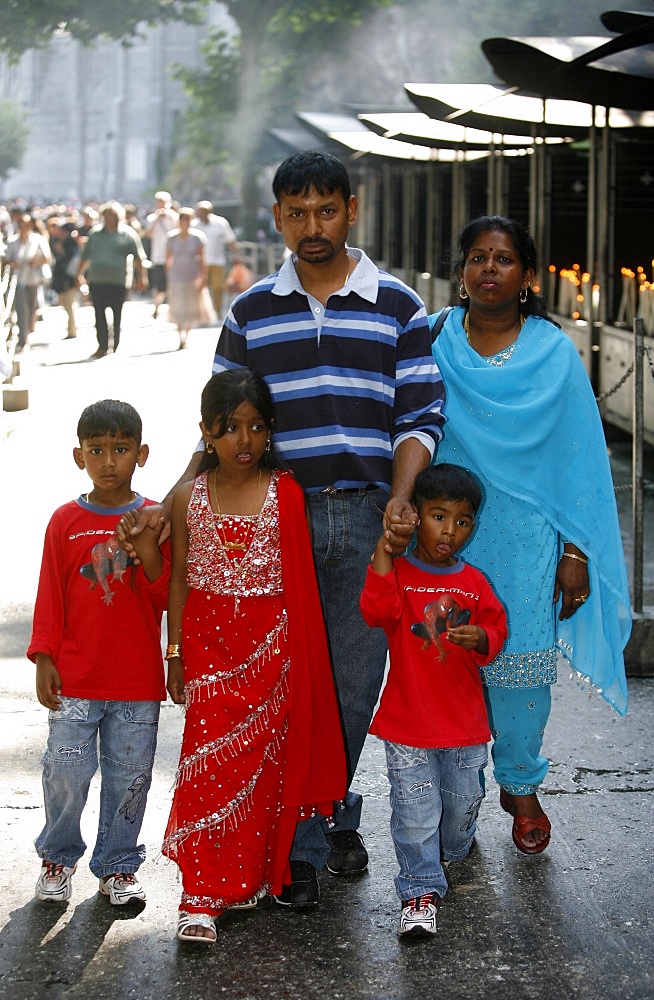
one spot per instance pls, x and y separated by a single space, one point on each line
209 447
268 445
462 291
523 295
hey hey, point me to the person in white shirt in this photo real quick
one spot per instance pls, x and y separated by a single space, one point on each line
160 223
220 238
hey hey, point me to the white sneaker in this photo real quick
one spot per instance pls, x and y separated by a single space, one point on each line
418 915
55 882
121 888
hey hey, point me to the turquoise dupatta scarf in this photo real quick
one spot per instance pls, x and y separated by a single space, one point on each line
532 428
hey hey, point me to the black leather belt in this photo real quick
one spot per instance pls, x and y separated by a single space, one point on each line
358 490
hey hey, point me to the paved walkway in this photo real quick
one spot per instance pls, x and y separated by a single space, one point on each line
575 922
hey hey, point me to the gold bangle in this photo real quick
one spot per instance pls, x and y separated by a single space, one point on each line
173 650
573 555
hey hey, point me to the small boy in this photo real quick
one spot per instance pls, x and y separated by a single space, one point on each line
442 622
96 642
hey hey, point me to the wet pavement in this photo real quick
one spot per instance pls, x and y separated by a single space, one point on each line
574 922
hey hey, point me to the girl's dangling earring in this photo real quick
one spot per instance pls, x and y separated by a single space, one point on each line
209 447
268 445
523 295
462 291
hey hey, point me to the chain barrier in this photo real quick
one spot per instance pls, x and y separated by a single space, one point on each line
618 385
629 372
628 487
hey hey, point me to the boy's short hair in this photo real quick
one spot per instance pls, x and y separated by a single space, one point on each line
312 169
109 416
448 482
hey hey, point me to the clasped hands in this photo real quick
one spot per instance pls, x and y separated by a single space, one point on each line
399 522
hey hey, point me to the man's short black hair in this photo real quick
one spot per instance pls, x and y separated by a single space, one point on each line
312 169
447 482
109 416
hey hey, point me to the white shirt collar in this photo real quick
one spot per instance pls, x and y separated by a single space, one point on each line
364 279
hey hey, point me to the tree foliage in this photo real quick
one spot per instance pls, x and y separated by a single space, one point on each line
28 24
251 79
14 133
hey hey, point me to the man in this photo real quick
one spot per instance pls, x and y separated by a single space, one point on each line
345 349
220 238
160 223
111 253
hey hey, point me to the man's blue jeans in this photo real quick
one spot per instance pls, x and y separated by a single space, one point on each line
435 798
346 527
127 735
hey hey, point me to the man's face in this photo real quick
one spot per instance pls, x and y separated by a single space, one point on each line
315 226
202 213
110 220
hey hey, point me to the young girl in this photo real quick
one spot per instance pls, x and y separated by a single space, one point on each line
247 654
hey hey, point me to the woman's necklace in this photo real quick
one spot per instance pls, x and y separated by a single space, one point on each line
497 360
231 546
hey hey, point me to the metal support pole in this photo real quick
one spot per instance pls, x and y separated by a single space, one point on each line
637 464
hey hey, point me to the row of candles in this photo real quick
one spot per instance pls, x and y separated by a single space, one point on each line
569 292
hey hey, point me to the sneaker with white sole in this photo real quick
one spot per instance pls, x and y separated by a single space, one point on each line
122 888
55 882
418 916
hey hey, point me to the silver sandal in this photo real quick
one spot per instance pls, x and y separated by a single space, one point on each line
187 920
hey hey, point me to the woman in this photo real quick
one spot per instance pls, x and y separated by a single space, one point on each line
186 273
66 256
28 254
522 415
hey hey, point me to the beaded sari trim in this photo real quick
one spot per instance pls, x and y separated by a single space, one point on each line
233 812
532 669
205 686
236 742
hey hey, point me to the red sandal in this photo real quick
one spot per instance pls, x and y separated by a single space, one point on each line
522 825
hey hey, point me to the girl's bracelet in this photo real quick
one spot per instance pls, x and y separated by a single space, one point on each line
573 555
173 650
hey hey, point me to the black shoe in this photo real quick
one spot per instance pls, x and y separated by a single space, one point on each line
348 855
100 353
303 890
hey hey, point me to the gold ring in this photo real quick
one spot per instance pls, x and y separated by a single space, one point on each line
580 600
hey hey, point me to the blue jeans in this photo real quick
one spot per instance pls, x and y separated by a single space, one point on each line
435 798
346 528
127 733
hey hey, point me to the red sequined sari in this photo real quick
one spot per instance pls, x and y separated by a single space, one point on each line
260 701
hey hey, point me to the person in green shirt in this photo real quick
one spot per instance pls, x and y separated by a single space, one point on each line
113 257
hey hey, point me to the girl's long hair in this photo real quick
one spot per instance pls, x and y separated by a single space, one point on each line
222 394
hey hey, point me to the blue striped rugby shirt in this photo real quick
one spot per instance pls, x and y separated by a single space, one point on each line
349 380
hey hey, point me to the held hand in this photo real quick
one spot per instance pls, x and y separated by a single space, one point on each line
469 637
400 521
48 684
571 585
144 517
175 683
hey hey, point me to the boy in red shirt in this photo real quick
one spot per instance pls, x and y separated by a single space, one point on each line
96 642
442 621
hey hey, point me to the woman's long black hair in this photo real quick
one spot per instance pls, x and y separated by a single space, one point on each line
524 246
222 394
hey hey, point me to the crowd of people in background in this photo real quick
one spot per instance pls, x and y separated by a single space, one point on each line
49 249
